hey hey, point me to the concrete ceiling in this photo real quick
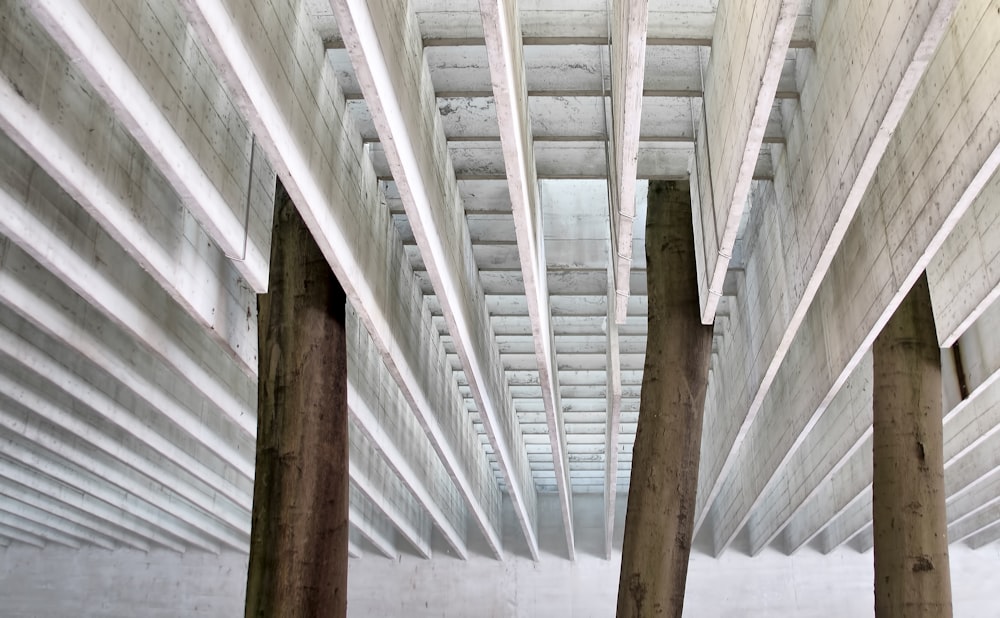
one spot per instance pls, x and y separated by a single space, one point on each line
456 176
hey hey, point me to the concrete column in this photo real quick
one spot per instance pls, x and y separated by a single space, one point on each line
911 533
660 516
299 538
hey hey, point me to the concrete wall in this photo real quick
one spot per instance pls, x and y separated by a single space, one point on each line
55 582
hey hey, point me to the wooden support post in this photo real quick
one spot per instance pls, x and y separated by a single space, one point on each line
660 516
299 538
911 528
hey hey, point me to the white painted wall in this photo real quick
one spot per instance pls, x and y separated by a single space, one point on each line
56 582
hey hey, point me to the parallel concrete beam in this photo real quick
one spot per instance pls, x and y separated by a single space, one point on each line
613 384
49 523
379 411
229 505
49 227
852 101
740 85
629 24
21 536
841 431
273 63
129 528
589 27
969 422
102 482
32 498
39 308
371 476
965 274
935 165
112 55
191 509
502 27
386 52
107 174
13 521
372 524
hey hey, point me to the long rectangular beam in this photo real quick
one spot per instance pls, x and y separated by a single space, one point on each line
965 274
501 25
274 65
47 225
143 87
969 421
35 499
385 50
96 162
129 527
740 88
589 27
822 168
629 24
379 411
613 390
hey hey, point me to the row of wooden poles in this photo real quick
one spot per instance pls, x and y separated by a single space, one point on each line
299 538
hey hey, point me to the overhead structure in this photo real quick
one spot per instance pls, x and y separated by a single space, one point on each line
469 171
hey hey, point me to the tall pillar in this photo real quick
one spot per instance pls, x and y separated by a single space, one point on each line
298 544
911 529
661 502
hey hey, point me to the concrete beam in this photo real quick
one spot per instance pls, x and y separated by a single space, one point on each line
834 140
372 524
47 523
12 521
589 27
49 227
30 498
21 536
886 246
371 476
740 85
629 23
295 106
842 430
130 528
128 71
384 45
968 423
613 384
984 537
501 25
978 510
354 544
103 483
22 387
43 309
965 273
379 411
96 162
39 442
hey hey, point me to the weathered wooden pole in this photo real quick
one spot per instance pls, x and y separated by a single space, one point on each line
298 544
911 530
661 501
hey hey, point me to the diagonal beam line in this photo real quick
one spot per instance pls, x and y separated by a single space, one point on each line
385 50
69 23
505 51
297 111
628 68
